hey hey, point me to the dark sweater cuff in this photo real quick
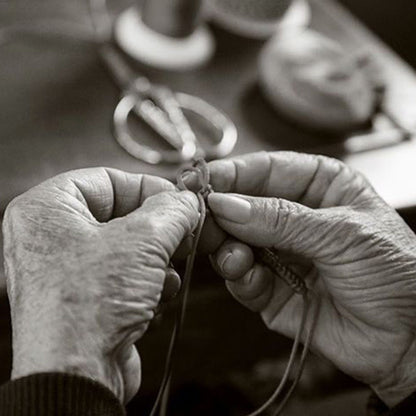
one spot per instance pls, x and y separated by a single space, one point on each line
405 408
57 394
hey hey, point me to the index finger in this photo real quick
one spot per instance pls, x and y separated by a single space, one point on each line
313 180
108 193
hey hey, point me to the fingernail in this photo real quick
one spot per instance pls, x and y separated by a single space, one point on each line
223 259
230 207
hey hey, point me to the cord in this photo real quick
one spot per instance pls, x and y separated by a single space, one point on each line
180 317
101 20
290 365
270 259
99 12
305 350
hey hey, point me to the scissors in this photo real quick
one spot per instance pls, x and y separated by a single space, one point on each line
162 109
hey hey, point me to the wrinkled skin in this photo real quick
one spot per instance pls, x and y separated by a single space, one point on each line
86 256
351 247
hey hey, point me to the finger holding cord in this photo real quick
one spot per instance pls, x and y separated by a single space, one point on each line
277 224
251 283
171 285
212 235
171 288
255 289
233 259
258 289
315 181
107 193
272 222
261 290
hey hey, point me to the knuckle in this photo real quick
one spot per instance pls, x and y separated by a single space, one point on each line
331 164
152 227
167 199
276 212
349 226
361 179
357 188
334 168
148 227
182 208
155 184
188 200
155 236
346 183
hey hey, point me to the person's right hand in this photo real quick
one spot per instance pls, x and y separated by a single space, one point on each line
87 257
353 248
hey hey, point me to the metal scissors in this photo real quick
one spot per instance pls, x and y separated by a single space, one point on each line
162 109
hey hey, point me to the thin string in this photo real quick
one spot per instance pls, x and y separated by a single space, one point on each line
267 257
270 259
97 8
180 316
289 367
305 350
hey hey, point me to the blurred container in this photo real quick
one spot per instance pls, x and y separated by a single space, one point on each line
173 18
165 34
258 18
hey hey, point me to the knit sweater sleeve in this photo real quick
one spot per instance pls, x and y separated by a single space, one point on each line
405 408
57 394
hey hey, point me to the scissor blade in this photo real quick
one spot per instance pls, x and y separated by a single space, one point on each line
167 100
122 73
158 121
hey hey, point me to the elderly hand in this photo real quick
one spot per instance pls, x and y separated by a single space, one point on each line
353 248
86 256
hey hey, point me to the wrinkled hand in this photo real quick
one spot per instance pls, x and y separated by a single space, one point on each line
86 256
353 248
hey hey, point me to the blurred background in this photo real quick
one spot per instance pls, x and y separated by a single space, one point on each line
248 59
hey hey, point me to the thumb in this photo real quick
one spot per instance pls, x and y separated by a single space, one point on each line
164 220
270 222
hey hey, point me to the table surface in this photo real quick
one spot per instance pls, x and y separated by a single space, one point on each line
57 101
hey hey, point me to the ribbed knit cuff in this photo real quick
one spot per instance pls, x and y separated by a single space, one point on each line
57 394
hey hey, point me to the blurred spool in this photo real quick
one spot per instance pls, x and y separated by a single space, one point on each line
172 18
165 34
259 19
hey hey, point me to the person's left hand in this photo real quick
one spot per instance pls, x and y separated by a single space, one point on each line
353 250
87 256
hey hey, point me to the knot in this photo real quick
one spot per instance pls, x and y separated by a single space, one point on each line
195 179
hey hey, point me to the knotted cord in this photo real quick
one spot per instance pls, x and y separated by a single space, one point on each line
267 257
180 315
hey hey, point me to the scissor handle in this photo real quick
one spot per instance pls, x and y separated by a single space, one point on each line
128 104
219 120
189 150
